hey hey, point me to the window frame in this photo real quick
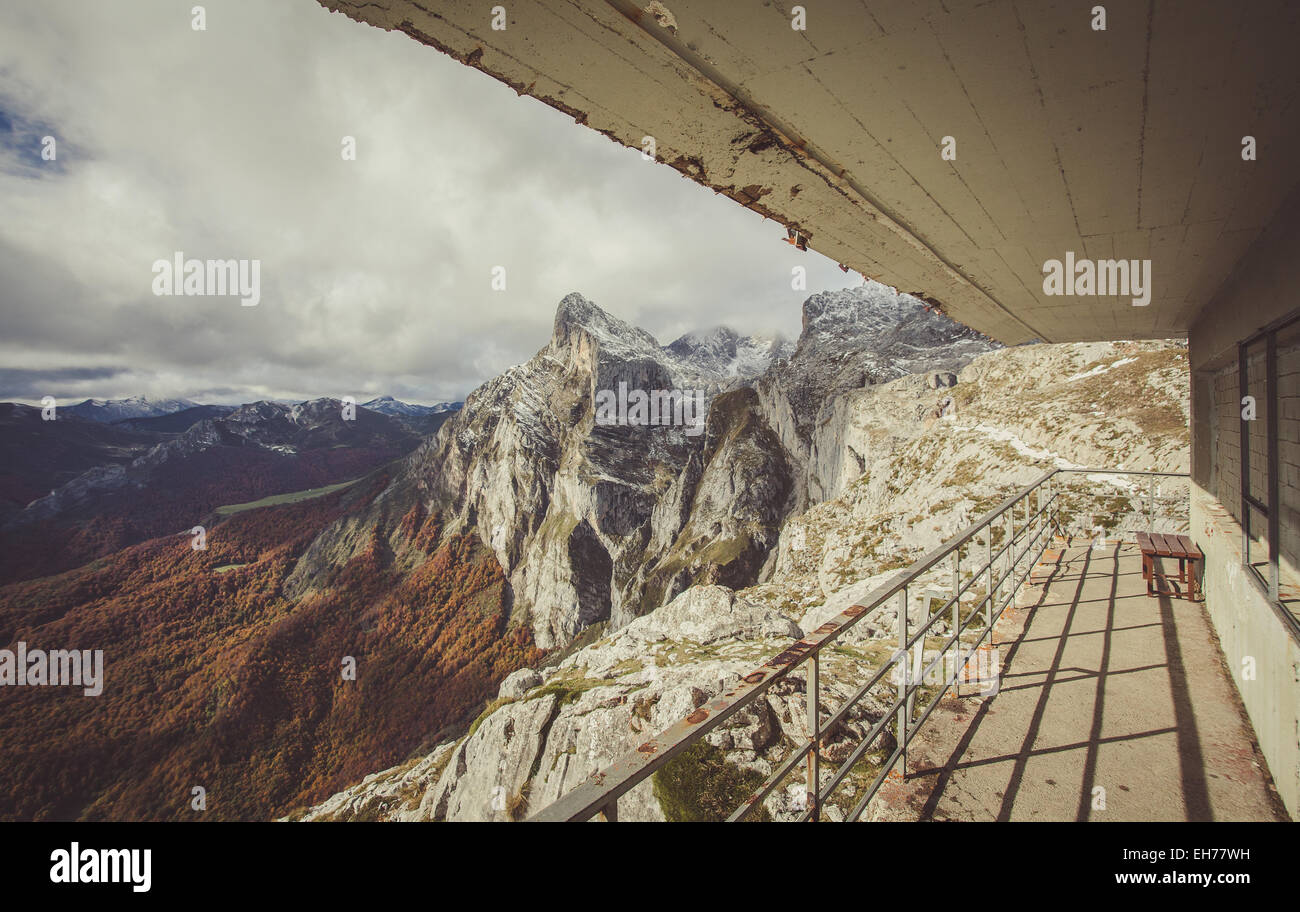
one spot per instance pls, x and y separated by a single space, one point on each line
1271 508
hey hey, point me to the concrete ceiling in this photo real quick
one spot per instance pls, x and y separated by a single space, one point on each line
1123 143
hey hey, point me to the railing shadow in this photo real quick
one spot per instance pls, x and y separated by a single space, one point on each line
1190 751
1191 759
1022 758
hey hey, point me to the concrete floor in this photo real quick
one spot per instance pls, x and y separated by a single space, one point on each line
1102 687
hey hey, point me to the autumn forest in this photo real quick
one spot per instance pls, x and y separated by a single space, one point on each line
217 678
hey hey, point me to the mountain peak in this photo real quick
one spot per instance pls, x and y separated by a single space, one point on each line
717 337
575 311
873 303
578 316
722 353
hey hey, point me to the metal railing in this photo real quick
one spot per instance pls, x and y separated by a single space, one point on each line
1012 538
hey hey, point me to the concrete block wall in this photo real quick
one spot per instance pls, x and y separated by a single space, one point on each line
1254 641
1262 289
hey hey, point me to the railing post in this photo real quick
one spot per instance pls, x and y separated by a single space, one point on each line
1051 507
956 597
1151 506
814 758
1010 543
904 657
988 608
918 666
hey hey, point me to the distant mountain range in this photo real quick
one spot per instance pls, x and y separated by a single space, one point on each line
108 411
38 456
134 408
74 489
387 405
175 422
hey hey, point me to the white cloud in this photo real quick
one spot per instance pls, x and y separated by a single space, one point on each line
375 273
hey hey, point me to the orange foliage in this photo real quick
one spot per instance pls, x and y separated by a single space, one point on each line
219 680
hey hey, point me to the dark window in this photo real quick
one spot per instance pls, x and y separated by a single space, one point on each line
1262 467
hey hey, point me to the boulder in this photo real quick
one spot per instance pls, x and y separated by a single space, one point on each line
518 683
707 614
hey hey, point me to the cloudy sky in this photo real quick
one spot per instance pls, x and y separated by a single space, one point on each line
376 274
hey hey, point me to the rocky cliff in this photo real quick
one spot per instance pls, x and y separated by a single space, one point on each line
602 523
902 465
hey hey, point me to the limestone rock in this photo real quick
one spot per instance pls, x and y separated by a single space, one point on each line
881 484
518 683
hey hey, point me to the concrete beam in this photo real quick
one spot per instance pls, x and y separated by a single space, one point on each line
1117 143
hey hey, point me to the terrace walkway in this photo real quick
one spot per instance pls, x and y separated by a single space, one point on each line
1102 687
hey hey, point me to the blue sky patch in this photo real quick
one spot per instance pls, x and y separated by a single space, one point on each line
21 142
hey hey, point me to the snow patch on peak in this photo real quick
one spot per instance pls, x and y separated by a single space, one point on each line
109 410
387 405
722 353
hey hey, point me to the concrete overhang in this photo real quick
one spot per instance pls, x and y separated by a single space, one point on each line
1117 144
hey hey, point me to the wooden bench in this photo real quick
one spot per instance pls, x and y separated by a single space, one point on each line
1173 547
